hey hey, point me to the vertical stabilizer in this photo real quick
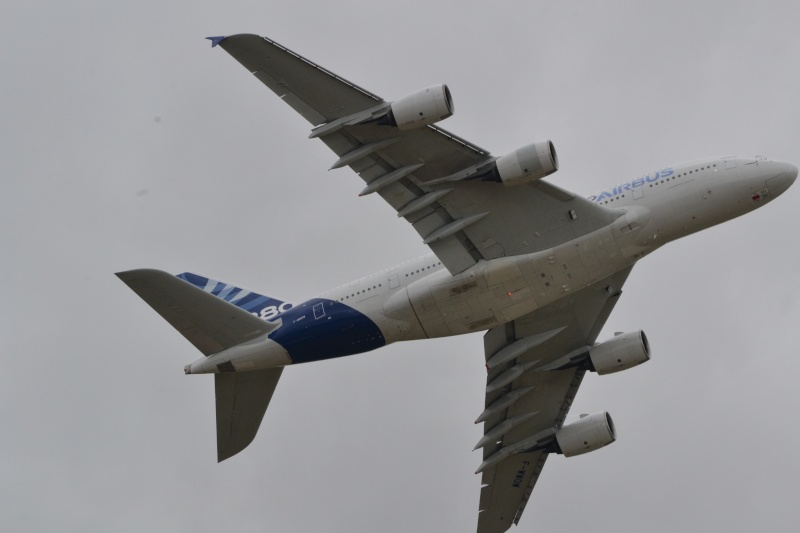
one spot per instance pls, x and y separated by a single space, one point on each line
242 400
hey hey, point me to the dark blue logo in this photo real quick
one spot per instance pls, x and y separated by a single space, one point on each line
632 184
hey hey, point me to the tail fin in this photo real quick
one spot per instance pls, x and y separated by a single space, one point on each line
204 312
242 397
242 400
262 306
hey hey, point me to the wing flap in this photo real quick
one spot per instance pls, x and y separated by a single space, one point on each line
518 220
210 323
242 400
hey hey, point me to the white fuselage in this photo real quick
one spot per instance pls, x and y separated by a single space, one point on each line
420 298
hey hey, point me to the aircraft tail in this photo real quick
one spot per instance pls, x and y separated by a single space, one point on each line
242 400
215 316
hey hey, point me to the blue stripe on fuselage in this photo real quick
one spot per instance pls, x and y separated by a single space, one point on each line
312 333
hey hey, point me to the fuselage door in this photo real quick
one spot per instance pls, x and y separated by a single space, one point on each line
319 311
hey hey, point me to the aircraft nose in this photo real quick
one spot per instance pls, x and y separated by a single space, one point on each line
783 181
791 172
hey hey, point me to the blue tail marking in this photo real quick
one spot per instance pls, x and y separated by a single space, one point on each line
265 307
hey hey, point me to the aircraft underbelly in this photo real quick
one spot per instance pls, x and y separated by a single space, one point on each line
501 290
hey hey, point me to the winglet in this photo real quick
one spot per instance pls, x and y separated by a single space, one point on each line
216 40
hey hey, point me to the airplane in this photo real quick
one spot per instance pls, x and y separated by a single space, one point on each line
537 267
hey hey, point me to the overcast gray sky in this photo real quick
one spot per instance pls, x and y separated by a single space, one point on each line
128 142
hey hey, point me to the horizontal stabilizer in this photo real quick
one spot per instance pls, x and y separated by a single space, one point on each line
210 323
242 399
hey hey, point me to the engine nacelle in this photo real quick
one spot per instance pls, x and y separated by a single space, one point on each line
528 163
420 108
586 435
620 353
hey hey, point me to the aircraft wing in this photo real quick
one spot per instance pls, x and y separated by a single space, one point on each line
422 173
522 416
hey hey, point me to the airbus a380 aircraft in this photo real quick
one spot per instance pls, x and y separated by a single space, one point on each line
536 266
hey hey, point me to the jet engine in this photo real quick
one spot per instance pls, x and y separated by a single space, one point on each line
586 435
528 163
620 353
421 108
